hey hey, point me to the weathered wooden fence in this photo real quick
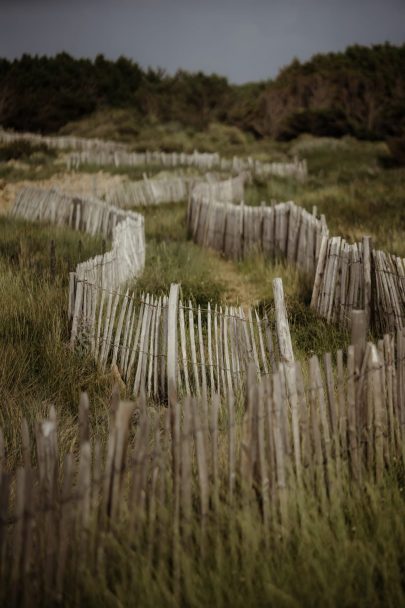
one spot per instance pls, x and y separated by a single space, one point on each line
158 342
61 142
126 258
87 214
100 152
156 191
228 190
202 160
358 276
150 192
283 230
347 277
311 430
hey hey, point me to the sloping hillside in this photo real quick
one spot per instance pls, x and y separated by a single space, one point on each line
360 92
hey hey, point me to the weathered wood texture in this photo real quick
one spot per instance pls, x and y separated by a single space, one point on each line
62 142
213 346
202 160
99 152
158 190
283 230
306 434
350 277
126 258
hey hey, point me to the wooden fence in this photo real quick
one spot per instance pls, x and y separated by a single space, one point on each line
159 344
175 189
126 258
201 160
61 142
101 152
358 276
283 230
87 214
228 190
162 484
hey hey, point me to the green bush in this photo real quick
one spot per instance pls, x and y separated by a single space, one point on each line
322 123
362 93
24 150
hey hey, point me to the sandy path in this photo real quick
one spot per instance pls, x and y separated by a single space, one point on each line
75 183
237 287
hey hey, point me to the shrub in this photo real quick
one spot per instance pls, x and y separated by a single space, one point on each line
322 123
23 150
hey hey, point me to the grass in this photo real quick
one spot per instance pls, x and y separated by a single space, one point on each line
351 186
21 160
125 126
346 181
350 556
16 172
39 368
310 335
133 173
170 258
179 262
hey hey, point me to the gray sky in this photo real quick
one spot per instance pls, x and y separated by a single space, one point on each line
242 39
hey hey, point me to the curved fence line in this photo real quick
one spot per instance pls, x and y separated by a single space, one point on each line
87 214
99 152
229 190
208 349
156 191
357 276
283 229
61 142
204 161
154 343
346 277
126 258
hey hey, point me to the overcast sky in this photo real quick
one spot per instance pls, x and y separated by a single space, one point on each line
242 39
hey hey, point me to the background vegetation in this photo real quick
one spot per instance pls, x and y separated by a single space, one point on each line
360 92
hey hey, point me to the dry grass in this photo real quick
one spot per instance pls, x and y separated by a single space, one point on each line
352 556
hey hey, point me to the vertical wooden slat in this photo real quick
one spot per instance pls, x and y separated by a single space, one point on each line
283 329
279 450
210 358
184 347
202 356
172 341
193 350
351 418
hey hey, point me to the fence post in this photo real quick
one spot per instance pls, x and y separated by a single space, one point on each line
77 312
358 335
367 276
72 294
283 329
319 272
172 308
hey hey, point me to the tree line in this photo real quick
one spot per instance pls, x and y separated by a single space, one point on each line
360 92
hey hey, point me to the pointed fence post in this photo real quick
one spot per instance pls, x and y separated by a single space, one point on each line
367 276
283 328
172 343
